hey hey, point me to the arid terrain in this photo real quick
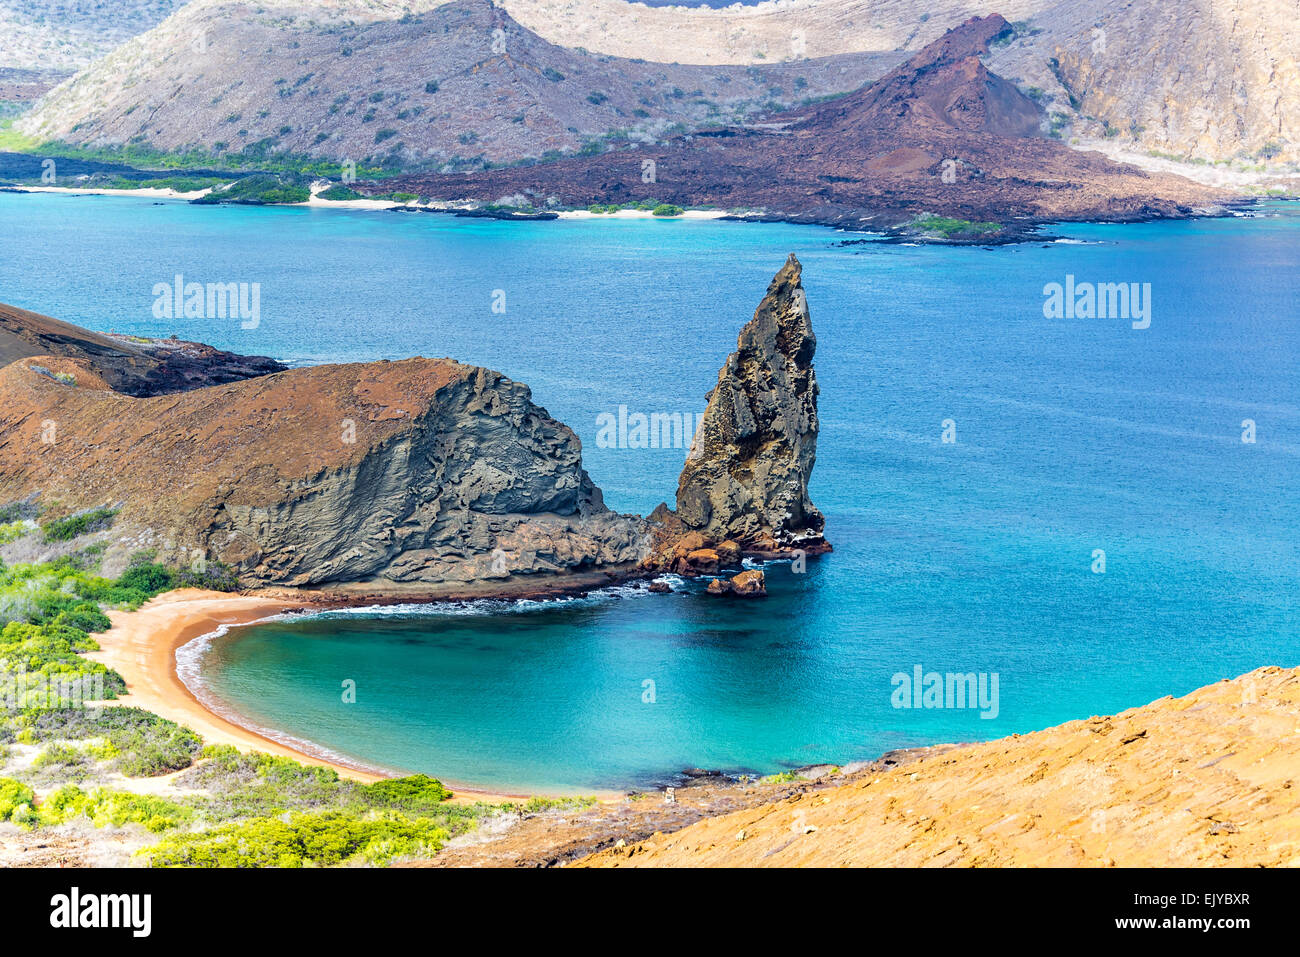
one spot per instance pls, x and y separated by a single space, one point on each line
939 134
461 82
1114 69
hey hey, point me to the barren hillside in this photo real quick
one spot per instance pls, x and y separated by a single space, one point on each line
460 81
940 134
1204 78
66 35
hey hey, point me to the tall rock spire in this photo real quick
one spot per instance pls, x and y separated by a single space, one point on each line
746 478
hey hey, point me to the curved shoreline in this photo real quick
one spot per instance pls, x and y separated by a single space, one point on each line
141 647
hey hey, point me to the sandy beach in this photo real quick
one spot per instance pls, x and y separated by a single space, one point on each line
643 214
147 192
141 647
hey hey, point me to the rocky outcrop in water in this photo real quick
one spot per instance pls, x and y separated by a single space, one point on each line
421 478
746 477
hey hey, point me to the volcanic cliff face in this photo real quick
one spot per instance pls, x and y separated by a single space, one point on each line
746 478
418 475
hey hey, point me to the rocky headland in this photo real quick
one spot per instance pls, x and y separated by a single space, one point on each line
414 478
131 365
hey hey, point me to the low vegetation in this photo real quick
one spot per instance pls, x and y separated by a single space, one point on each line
182 184
298 840
258 190
339 193
82 523
228 809
950 228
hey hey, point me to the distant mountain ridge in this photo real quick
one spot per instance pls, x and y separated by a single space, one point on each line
460 81
938 135
1204 79
1210 79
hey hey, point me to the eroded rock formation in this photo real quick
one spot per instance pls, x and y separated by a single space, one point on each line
415 475
423 477
746 477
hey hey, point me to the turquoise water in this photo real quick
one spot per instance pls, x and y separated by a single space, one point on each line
1072 435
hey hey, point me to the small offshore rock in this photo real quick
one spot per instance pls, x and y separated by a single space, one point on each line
750 584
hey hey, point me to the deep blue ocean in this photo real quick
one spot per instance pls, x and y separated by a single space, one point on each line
976 556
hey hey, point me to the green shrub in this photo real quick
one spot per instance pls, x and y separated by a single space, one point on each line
337 193
667 209
86 617
12 531
417 792
117 808
140 743
258 190
299 840
141 581
13 795
64 759
952 228
66 529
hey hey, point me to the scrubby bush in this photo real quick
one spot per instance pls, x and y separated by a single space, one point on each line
12 531
145 579
13 795
258 190
951 228
668 209
66 529
103 807
86 616
300 840
339 193
419 792
63 761
139 743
